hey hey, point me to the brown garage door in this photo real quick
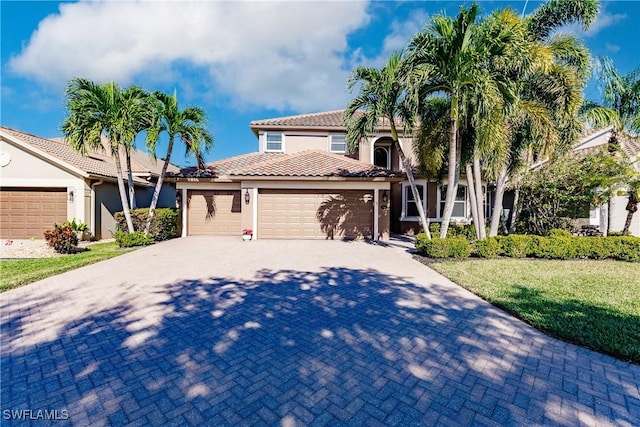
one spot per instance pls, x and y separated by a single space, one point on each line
315 214
216 213
27 213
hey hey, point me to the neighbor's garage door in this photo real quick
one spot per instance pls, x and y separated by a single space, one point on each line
216 213
27 213
315 214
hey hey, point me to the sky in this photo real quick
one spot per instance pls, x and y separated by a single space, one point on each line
238 60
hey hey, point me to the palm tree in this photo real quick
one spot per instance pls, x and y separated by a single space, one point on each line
189 124
97 110
454 57
383 97
550 96
620 109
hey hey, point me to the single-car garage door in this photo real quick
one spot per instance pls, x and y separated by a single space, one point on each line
315 214
214 212
27 213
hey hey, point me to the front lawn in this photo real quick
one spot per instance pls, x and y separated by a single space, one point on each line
17 272
595 304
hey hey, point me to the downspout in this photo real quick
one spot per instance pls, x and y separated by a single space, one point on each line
93 206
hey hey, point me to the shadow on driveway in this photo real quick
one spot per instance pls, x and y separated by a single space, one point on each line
338 346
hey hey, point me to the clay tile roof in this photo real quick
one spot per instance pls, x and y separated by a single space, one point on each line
224 166
97 163
328 120
631 146
313 163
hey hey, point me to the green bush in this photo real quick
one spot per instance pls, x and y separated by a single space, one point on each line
62 238
453 247
559 232
459 247
625 248
517 245
487 248
125 239
164 224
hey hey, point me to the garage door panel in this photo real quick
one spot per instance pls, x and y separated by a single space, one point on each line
215 212
315 214
27 213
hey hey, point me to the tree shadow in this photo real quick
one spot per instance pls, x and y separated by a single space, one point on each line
329 347
348 216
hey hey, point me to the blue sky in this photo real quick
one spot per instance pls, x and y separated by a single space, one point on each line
240 61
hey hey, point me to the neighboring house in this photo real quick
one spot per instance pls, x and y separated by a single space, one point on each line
45 181
303 183
612 216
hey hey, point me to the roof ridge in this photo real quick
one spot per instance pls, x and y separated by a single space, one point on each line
296 116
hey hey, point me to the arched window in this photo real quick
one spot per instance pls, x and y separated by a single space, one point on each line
381 157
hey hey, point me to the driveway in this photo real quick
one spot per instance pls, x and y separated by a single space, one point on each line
216 331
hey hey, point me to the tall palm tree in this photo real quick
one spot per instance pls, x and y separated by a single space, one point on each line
188 124
620 109
383 97
97 110
452 56
549 95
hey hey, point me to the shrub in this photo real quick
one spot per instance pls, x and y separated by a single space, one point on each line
625 248
125 239
164 225
517 245
459 247
455 247
77 226
559 232
62 238
487 248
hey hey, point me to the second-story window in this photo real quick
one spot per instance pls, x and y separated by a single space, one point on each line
273 141
381 157
338 143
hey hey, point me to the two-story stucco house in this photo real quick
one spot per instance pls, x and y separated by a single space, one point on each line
303 183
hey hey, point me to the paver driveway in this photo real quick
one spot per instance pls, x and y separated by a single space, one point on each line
214 331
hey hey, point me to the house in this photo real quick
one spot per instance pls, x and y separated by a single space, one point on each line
303 183
45 181
612 216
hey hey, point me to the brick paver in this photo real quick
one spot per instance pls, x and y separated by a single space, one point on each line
216 331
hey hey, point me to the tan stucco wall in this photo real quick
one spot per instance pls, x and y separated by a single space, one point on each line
618 216
26 170
296 143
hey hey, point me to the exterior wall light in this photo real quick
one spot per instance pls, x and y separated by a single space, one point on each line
71 196
385 196
247 197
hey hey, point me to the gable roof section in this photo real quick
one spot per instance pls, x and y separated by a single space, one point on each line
94 163
303 164
598 139
328 120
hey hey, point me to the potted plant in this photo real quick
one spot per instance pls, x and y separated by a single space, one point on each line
247 234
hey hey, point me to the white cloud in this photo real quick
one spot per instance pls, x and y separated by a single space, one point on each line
268 54
604 20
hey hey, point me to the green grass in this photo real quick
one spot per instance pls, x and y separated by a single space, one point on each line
595 304
18 272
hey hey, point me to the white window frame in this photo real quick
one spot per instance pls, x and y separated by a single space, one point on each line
266 142
331 136
441 199
407 187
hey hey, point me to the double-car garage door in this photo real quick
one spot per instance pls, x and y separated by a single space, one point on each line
284 214
315 214
27 213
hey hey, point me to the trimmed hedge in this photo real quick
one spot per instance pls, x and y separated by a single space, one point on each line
556 246
164 225
125 239
451 247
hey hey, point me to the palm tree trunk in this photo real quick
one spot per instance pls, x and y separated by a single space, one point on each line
158 188
122 190
477 177
452 187
472 196
496 215
132 190
515 211
412 182
632 207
